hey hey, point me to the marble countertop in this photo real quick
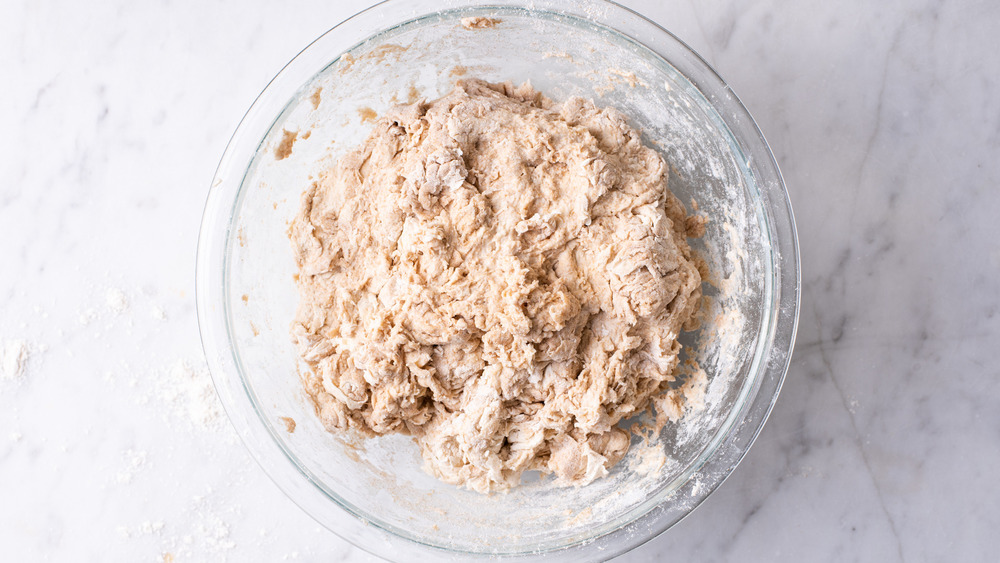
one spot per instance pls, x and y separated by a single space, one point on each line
885 119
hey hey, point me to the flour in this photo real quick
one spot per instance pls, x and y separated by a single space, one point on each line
177 389
86 316
135 461
146 528
649 458
190 395
204 534
116 300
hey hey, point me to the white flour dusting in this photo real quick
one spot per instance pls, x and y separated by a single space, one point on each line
86 317
135 461
176 388
190 394
202 535
146 528
649 458
117 300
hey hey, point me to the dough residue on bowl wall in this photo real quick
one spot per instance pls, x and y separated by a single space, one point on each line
479 22
284 148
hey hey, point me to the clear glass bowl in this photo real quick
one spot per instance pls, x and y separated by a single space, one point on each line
373 492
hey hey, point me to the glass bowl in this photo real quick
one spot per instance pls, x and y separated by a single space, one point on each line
373 492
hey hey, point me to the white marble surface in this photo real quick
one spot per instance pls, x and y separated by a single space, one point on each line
885 118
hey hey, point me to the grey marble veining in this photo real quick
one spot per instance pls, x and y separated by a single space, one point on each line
885 120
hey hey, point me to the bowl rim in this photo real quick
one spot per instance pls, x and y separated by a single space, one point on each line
774 345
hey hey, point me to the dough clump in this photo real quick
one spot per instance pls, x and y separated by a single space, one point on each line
499 276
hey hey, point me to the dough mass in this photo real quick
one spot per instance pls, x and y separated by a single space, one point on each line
499 276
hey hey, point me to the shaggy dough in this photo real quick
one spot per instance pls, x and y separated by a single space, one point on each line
502 278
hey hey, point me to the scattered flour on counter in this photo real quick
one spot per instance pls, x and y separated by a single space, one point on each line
135 461
209 536
214 532
176 389
14 357
190 394
182 391
146 528
117 300
203 534
86 317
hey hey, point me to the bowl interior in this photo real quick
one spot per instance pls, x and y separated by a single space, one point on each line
380 480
